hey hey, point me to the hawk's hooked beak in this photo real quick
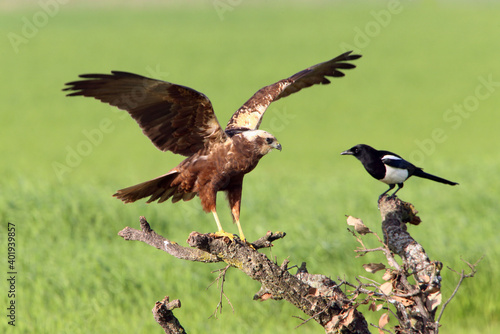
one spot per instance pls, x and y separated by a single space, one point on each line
277 146
348 152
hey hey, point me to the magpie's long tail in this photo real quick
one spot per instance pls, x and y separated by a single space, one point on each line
421 173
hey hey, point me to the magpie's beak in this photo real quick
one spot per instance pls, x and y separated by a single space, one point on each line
346 153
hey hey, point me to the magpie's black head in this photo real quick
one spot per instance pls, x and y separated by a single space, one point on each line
358 150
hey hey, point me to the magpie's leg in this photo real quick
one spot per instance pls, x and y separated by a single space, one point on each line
391 186
400 185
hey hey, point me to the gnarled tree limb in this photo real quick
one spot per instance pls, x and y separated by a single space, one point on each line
323 301
147 235
395 213
317 295
165 317
423 305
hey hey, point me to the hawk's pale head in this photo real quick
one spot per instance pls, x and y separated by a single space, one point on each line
264 141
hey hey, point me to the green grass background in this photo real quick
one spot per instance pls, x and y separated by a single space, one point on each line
75 275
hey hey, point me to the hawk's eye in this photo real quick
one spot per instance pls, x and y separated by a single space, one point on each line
269 140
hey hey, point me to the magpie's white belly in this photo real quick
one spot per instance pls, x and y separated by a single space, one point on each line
394 175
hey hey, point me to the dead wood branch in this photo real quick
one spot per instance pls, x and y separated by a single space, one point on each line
463 276
147 235
322 301
165 317
395 214
413 306
221 279
315 295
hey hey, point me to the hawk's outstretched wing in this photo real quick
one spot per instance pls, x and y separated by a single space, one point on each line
250 114
175 118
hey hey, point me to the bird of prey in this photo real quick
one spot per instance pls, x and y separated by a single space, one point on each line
181 120
389 167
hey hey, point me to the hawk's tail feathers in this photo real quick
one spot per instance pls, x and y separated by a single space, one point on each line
160 189
421 173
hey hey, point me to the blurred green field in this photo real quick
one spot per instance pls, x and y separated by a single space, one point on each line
427 87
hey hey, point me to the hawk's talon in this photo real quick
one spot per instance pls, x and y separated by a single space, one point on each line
222 234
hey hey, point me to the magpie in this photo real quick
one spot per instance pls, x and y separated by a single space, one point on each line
389 167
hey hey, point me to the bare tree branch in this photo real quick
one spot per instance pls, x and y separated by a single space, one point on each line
147 235
462 277
221 278
165 317
315 295
395 213
413 306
